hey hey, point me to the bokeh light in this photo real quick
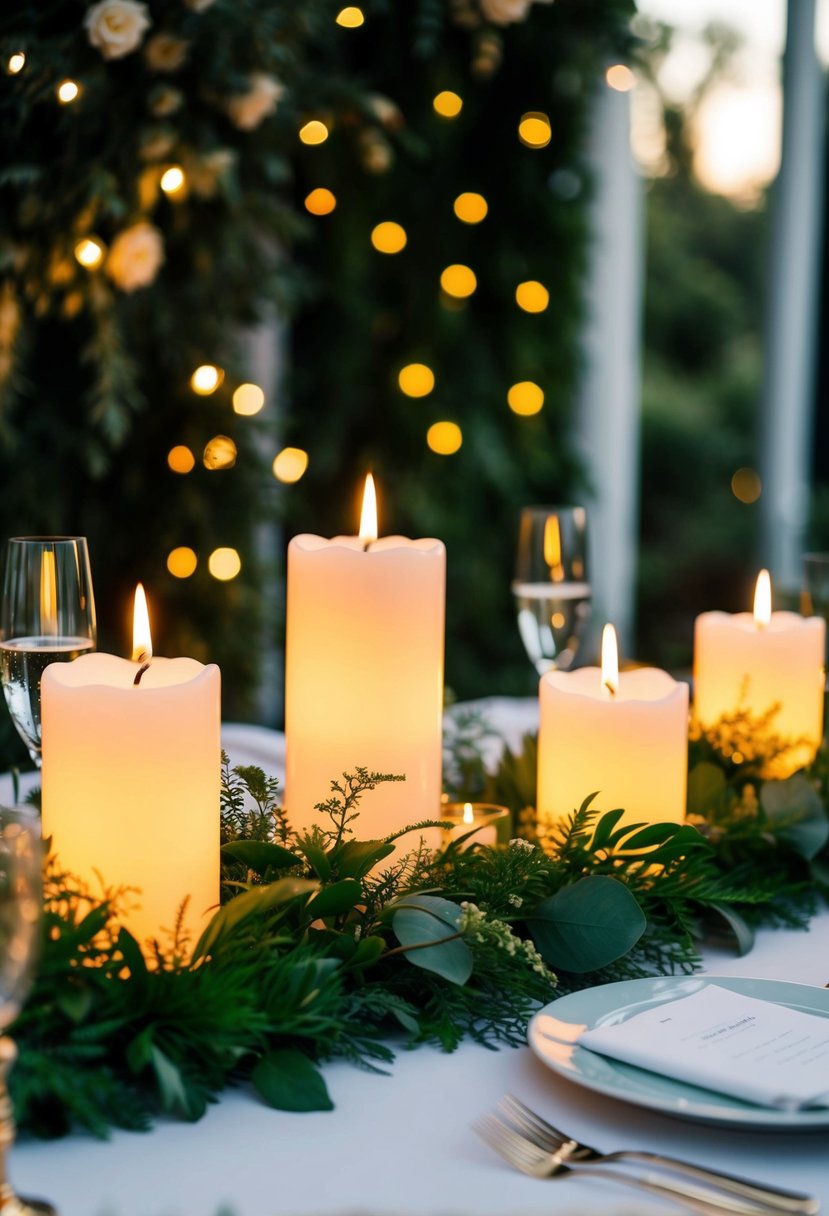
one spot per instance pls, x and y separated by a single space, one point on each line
532 296
16 63
534 130
67 91
525 398
470 207
458 281
444 438
220 453
350 18
320 201
173 180
290 464
447 104
620 78
389 237
248 399
206 379
182 562
90 252
314 132
180 459
224 564
416 380
746 485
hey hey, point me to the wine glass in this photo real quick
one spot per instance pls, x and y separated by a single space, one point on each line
551 586
21 860
47 615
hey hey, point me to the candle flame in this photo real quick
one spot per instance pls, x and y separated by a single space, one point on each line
552 548
48 594
762 600
610 661
468 816
368 516
142 643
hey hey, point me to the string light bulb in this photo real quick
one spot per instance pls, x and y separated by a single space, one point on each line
351 17
89 251
314 132
525 398
458 281
289 465
471 208
320 201
206 379
220 453
447 104
248 399
224 564
67 91
389 237
534 130
180 459
182 562
173 180
532 296
416 380
17 63
444 438
619 77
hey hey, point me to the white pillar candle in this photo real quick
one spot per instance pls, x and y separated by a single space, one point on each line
752 662
623 736
131 781
364 674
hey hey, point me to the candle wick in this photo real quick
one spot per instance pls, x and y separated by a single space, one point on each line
611 691
144 667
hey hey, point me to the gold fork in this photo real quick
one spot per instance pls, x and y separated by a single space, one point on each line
526 1156
553 1140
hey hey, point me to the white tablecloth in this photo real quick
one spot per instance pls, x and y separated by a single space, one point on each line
402 1145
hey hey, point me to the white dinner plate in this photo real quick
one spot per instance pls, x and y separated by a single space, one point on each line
554 1029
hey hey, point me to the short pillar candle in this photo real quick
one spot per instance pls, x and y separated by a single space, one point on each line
623 737
131 782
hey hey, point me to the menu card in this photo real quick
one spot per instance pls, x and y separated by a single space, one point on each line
751 1049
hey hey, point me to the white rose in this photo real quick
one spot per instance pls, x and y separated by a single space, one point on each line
505 12
165 53
116 27
247 110
135 256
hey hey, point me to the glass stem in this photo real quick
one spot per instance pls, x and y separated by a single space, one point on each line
10 1204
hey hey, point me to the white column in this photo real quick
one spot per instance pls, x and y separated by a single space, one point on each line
792 310
608 425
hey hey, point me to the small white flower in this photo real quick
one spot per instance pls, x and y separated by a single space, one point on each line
135 256
247 110
515 900
518 842
116 27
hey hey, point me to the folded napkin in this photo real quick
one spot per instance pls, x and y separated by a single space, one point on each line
751 1049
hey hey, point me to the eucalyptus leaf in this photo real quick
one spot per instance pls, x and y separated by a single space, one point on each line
422 919
588 925
706 786
260 855
796 814
288 1080
742 930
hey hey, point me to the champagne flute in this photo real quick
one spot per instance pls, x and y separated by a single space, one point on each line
551 586
21 860
47 615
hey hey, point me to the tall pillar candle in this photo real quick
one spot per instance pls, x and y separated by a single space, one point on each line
131 782
625 736
364 674
756 663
